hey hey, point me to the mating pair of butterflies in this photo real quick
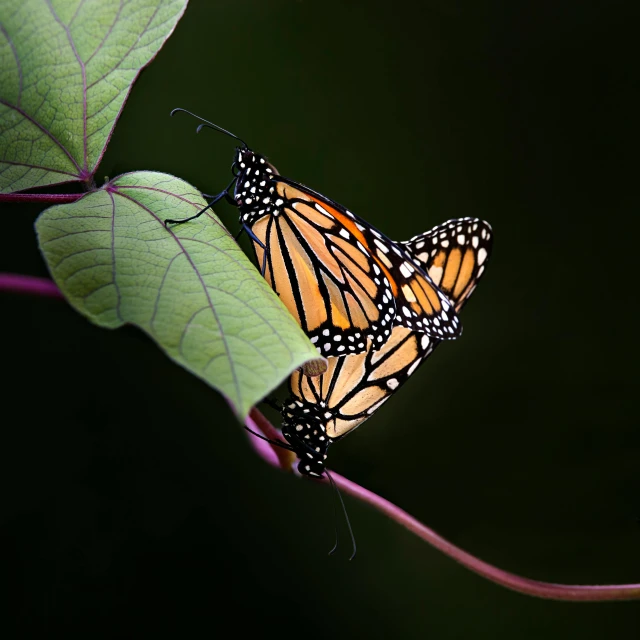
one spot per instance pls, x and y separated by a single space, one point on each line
374 307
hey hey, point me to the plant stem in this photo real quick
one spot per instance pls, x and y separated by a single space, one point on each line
44 198
284 459
30 285
548 590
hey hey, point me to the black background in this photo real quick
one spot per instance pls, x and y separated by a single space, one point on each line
131 502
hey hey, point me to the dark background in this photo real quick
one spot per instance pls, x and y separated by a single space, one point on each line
131 502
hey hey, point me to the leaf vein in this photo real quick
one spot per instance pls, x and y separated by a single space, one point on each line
83 70
160 287
108 33
113 253
204 287
25 115
18 64
131 48
36 166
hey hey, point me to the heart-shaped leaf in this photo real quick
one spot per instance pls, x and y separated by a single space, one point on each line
66 68
190 287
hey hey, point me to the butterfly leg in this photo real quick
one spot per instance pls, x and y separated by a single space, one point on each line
254 237
227 197
214 199
277 443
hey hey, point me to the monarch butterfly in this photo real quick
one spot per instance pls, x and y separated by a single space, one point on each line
345 282
324 409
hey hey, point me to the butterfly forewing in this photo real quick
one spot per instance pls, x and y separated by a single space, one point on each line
341 278
418 303
323 274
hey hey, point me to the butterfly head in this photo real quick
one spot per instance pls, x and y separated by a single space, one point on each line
255 189
247 162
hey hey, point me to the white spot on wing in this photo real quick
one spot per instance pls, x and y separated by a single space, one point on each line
381 245
405 270
413 367
323 211
435 273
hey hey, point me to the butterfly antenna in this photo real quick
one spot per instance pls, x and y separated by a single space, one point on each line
334 502
346 517
210 125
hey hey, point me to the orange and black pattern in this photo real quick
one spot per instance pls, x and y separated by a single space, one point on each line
344 281
321 410
325 408
455 255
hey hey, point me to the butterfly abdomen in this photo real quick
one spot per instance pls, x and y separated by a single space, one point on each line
303 428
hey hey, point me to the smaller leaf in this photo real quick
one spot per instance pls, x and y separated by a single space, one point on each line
190 287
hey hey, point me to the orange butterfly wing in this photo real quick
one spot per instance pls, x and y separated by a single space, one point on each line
323 409
323 273
341 279
455 255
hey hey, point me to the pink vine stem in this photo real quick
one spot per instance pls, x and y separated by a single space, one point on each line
42 198
284 459
30 285
569 592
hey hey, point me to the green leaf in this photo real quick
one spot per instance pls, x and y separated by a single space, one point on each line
66 68
190 287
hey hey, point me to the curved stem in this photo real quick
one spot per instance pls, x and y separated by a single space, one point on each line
284 459
46 198
552 591
549 590
31 285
